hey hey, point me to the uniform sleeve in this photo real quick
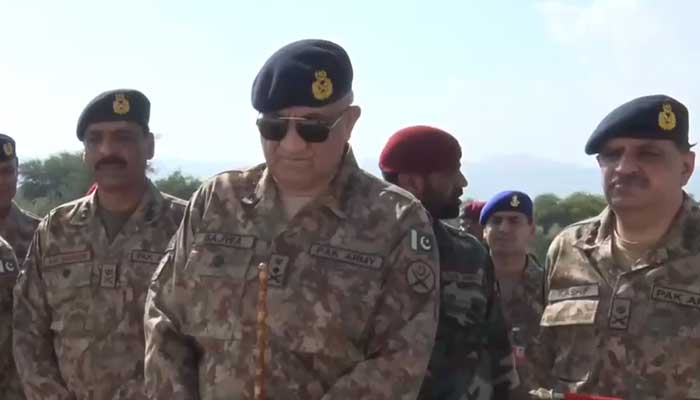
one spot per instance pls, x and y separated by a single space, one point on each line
402 332
541 351
32 335
171 358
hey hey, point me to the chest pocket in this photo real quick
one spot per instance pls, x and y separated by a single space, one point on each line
219 278
464 298
572 325
71 298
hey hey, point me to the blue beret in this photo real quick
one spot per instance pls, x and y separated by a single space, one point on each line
509 200
8 150
649 117
116 105
309 73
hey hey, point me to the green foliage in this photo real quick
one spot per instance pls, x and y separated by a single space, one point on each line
45 184
60 178
552 214
179 185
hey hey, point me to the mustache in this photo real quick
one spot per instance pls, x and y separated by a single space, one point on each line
630 180
113 160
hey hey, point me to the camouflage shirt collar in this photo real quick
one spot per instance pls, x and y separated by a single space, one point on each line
148 210
16 216
265 194
600 229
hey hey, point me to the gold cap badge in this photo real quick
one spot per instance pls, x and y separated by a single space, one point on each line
322 88
514 201
667 119
121 105
8 149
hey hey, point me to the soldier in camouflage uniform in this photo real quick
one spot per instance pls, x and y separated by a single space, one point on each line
17 226
10 386
78 315
622 316
472 356
351 293
509 229
16 230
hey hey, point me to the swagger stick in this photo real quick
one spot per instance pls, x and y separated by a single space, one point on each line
261 333
544 394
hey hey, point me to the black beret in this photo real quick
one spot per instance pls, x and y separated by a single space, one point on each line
420 149
309 73
650 117
9 149
116 105
509 200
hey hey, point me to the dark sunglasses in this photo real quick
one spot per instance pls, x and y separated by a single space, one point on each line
311 130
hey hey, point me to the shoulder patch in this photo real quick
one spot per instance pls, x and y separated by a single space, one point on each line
421 242
420 277
8 267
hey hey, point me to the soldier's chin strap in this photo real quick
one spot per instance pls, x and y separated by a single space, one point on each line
545 394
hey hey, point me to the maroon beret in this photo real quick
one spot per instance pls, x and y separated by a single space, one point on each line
420 149
472 209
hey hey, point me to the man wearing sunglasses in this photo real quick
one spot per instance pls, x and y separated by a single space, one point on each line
343 262
78 313
622 290
472 358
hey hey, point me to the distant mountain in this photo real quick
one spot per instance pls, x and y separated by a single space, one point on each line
486 177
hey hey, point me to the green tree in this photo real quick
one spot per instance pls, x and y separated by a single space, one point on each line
548 210
179 185
579 206
44 184
552 214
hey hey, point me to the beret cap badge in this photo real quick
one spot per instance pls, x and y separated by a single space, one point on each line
322 87
667 119
121 105
514 202
8 149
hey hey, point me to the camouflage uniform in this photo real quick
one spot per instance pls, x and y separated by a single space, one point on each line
472 357
78 325
10 387
18 229
352 298
632 333
523 312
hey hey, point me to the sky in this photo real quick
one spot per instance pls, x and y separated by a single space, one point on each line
507 78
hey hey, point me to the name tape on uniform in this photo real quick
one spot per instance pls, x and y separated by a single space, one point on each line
676 296
570 312
573 292
68 258
347 256
226 240
147 257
